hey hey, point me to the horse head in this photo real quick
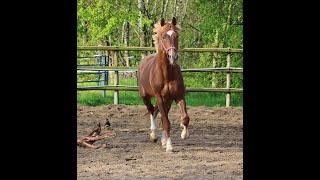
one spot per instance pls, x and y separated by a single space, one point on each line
166 38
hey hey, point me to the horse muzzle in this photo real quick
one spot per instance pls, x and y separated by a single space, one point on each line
173 58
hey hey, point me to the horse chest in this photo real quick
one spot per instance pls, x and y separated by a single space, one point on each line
170 88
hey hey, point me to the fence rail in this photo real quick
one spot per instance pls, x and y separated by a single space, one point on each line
135 88
122 48
116 87
228 70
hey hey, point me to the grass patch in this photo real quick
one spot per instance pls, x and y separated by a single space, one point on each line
95 98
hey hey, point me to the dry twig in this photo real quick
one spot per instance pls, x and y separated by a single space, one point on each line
93 137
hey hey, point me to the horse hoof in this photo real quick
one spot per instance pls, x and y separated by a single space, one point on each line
184 134
169 149
153 138
164 143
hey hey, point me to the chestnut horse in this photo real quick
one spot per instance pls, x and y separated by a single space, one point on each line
159 76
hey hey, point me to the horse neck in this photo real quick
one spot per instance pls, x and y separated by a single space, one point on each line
163 62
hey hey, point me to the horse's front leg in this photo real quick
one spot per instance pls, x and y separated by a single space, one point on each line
167 104
163 108
184 118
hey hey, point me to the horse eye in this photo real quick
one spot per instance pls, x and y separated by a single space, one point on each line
164 37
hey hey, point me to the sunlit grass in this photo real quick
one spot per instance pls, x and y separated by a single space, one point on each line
95 98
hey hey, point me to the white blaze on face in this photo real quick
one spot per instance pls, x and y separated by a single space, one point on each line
170 32
171 58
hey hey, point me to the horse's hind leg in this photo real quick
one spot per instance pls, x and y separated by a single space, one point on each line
184 118
153 115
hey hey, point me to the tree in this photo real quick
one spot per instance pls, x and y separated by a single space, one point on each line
205 23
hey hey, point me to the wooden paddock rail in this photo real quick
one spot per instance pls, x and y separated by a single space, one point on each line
135 88
99 68
121 48
116 87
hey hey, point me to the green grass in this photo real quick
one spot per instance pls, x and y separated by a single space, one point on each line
94 98
127 82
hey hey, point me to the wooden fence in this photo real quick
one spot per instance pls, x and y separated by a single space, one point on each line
116 87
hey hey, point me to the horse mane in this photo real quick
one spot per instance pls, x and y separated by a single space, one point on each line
159 30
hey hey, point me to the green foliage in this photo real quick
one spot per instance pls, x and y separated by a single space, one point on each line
205 23
101 18
200 20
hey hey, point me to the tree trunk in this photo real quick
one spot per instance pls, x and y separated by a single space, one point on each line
184 12
165 9
215 58
142 27
87 36
227 24
126 41
175 8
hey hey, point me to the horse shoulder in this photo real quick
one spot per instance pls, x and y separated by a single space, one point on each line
176 85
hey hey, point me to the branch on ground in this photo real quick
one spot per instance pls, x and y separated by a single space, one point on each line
93 137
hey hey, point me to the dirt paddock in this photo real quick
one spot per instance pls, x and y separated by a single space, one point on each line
214 149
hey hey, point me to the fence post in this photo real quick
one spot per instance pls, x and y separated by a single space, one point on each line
99 63
228 98
104 75
116 79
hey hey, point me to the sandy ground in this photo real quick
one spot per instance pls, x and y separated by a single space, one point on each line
214 149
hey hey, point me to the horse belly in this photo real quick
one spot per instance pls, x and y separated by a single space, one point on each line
144 77
145 87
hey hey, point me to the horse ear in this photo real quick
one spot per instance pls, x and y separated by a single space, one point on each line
162 22
174 21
